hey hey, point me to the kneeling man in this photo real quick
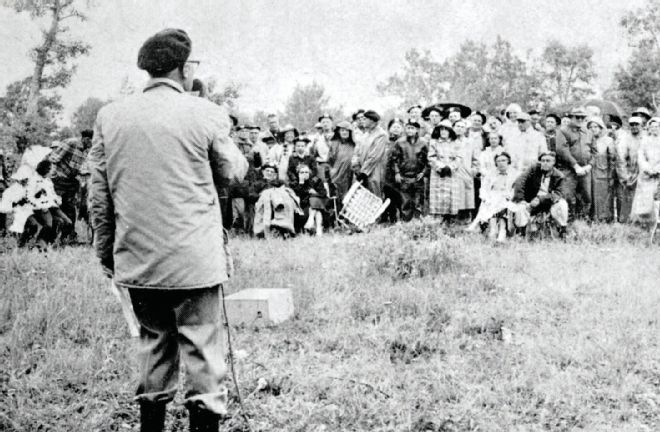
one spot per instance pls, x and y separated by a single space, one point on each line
540 189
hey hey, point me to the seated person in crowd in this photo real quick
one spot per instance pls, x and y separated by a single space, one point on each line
496 194
45 204
540 189
313 197
276 206
299 157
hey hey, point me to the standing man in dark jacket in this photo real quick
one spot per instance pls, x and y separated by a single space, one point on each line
575 159
156 215
540 189
409 162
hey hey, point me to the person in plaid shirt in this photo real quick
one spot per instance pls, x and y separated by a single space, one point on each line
68 160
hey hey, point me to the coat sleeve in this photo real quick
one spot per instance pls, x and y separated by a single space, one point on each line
332 153
102 210
543 144
474 162
436 162
396 158
322 150
375 154
520 186
560 187
642 159
621 148
564 152
227 161
424 160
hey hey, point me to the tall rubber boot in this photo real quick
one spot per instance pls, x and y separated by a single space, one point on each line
202 420
152 416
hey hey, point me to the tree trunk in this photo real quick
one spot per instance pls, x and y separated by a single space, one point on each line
40 61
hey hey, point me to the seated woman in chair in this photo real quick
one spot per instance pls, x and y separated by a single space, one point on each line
276 207
538 190
496 193
313 197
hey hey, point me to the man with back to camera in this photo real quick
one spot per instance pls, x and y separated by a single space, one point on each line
155 162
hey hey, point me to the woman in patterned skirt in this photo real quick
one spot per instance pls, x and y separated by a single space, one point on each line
446 193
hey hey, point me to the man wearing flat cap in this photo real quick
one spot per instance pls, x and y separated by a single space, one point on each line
369 161
525 145
575 158
627 167
156 160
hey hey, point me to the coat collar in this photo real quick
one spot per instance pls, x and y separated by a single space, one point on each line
163 82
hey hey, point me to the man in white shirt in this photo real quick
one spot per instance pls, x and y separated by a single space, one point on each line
525 145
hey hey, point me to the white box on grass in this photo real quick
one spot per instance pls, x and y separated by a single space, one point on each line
259 306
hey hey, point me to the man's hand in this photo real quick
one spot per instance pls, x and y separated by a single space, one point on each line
108 266
397 178
579 171
535 202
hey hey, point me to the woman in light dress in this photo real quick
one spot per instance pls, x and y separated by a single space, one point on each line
647 196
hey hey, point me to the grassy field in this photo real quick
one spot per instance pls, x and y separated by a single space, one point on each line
407 328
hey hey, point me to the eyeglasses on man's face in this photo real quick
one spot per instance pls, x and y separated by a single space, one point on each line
192 65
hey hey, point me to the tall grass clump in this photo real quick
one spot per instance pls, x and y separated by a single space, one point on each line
416 250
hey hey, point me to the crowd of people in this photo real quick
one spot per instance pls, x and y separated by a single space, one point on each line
494 173
504 174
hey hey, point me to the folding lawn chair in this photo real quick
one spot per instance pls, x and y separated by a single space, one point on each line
361 208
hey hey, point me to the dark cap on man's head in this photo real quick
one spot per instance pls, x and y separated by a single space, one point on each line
413 124
164 51
372 115
87 133
548 153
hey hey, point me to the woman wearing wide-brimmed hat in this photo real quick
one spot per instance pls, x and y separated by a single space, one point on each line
342 148
602 174
446 194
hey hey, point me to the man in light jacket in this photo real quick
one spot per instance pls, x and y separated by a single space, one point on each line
369 160
156 159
